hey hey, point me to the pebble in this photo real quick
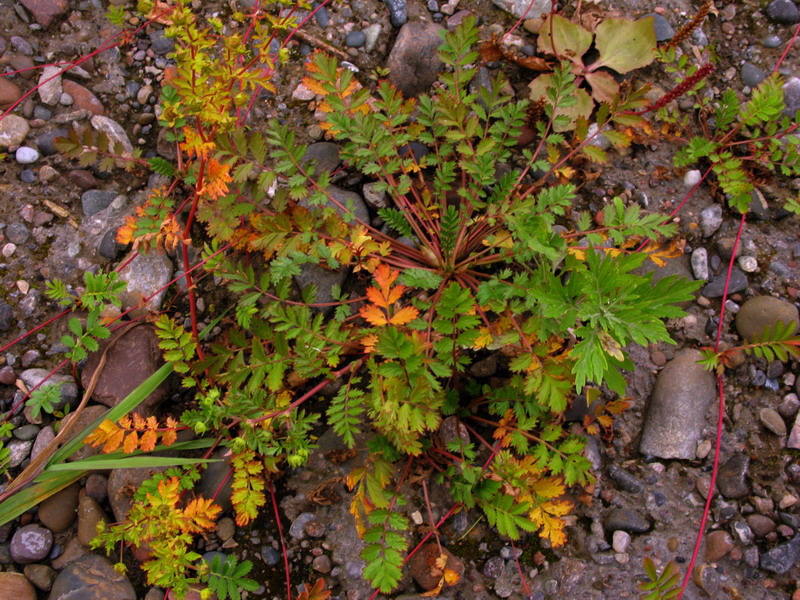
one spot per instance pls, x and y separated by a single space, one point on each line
663 29
355 39
772 41
91 577
17 233
717 545
297 528
82 178
160 43
732 476
321 15
788 407
715 289
225 528
13 130
41 576
69 389
783 557
49 86
621 541
144 275
16 586
692 178
93 201
625 519
18 452
321 564
762 312
519 8
43 439
26 155
791 96
414 63
10 92
31 544
109 247
372 34
270 555
624 479
90 514
83 98
794 437
711 219
783 12
760 525
700 263
772 421
748 264
116 133
57 512
46 141
398 13
676 414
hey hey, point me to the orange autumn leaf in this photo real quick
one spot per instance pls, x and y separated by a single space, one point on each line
373 315
404 315
383 297
217 178
148 441
369 341
194 145
131 442
202 514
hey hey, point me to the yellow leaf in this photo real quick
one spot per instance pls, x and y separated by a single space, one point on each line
202 513
451 577
131 443
611 346
369 341
373 315
484 338
148 441
403 316
548 487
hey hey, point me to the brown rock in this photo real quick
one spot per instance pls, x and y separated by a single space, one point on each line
760 525
89 515
9 93
15 586
82 178
424 570
122 485
45 11
97 487
133 358
91 577
83 98
73 550
41 576
718 544
23 64
414 61
57 512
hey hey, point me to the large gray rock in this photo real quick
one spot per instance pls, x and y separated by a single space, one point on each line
91 577
414 61
68 390
676 414
146 275
133 358
783 557
519 8
761 312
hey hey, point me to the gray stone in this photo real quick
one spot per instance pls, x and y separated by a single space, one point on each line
748 264
18 451
50 85
414 62
116 134
715 288
398 14
46 141
146 275
216 482
732 476
109 247
43 439
69 389
91 577
122 485
625 519
297 528
783 557
752 75
372 32
160 43
772 41
711 219
373 197
676 414
772 421
700 263
31 544
93 201
794 437
791 96
783 12
494 567
17 233
325 156
6 317
625 480
355 39
662 27
519 8
13 130
762 312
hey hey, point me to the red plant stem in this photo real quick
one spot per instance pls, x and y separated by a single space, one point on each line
283 544
786 50
519 568
720 417
34 330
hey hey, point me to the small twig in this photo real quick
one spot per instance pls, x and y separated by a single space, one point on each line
323 45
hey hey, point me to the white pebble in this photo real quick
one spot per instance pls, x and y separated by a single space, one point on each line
9 249
692 178
65 99
26 155
748 264
621 540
